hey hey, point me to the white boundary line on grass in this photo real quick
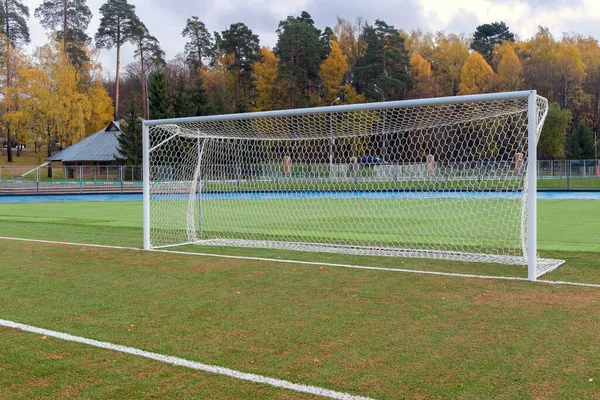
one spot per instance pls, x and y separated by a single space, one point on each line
181 362
325 264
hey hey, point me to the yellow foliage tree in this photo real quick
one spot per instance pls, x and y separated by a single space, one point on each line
332 72
220 84
12 107
447 60
53 102
265 75
102 110
476 75
348 36
569 74
424 85
590 55
510 71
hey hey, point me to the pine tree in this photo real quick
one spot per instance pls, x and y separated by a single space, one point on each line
159 98
130 138
116 29
72 18
487 36
301 49
149 52
384 64
200 44
243 45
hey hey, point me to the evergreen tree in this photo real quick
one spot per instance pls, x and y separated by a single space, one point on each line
182 104
580 145
240 42
200 45
72 18
116 29
130 138
199 98
13 18
190 100
301 49
14 15
487 36
159 98
385 63
552 140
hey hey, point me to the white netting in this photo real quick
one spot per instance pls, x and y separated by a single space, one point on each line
441 181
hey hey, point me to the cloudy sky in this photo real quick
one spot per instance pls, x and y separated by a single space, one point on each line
166 18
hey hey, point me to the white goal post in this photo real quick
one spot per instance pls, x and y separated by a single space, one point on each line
450 178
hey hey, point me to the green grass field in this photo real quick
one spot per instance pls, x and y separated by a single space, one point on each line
380 334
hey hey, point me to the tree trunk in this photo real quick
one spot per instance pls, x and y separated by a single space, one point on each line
117 83
144 95
49 165
9 142
8 138
65 26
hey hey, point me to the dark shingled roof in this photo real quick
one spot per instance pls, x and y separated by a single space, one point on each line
101 146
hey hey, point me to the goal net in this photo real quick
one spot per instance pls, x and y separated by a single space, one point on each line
446 178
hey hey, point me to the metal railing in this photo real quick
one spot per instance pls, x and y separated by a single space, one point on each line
552 175
568 175
70 179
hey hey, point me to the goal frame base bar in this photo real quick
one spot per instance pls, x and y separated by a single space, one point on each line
545 265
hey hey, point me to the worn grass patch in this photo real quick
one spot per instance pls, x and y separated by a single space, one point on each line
372 333
382 334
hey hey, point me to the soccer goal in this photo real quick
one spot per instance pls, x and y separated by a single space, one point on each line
449 178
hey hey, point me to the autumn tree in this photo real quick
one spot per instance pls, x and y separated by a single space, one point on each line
116 28
447 60
301 48
487 36
476 75
510 71
243 45
54 101
419 42
264 80
537 56
552 140
569 74
590 55
71 19
15 32
385 63
200 44
349 38
423 85
219 83
332 73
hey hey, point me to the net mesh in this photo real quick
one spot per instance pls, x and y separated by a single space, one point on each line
443 181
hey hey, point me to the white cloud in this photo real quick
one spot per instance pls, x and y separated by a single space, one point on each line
166 18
